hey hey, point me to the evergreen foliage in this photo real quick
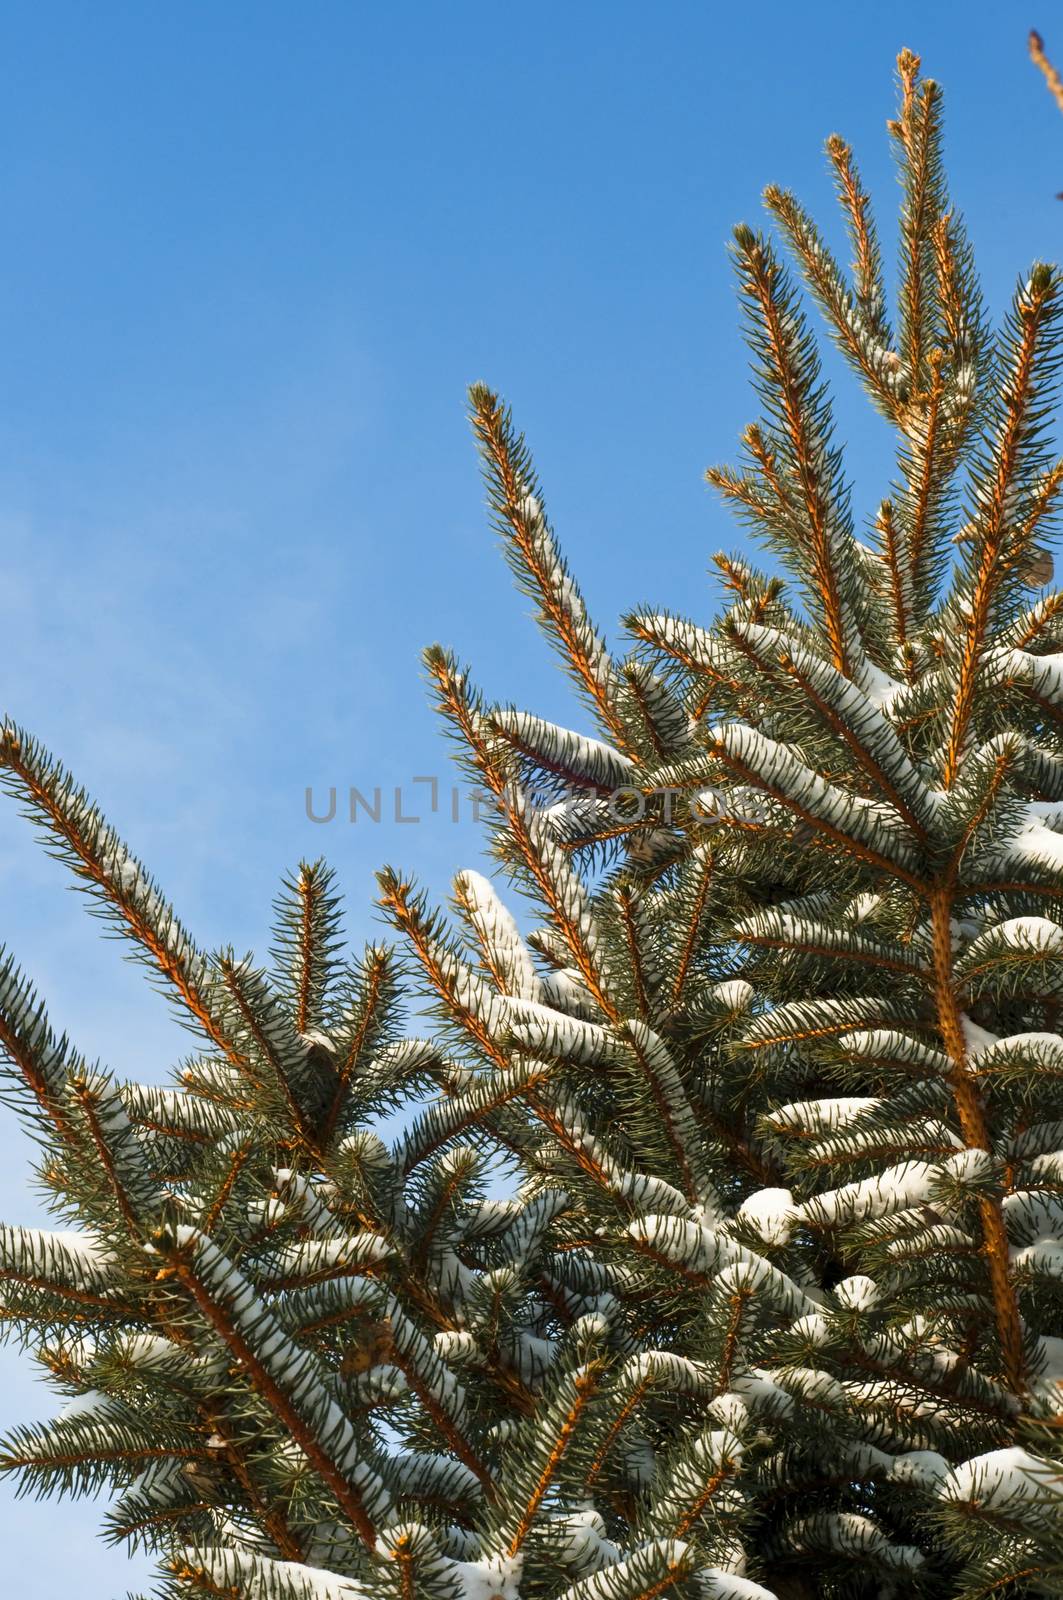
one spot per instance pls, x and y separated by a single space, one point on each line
774 1305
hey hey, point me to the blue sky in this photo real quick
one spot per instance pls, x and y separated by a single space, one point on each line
252 257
